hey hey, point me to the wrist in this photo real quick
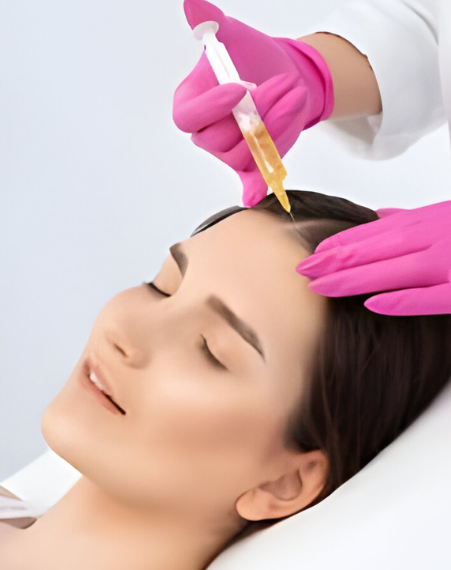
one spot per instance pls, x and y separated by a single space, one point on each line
316 74
356 91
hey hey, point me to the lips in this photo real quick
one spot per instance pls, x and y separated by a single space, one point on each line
92 368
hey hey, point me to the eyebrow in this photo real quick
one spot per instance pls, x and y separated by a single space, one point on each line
246 332
179 257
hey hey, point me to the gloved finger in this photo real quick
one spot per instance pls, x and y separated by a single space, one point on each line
270 92
383 212
193 114
254 187
238 158
413 270
198 11
421 301
393 244
438 214
221 136
225 134
359 233
200 79
280 119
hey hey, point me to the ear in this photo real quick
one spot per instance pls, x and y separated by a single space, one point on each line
290 493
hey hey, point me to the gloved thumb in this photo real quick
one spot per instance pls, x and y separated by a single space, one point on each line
198 11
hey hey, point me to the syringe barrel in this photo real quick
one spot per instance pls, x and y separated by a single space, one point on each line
246 114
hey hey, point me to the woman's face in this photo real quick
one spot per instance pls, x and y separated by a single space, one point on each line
196 434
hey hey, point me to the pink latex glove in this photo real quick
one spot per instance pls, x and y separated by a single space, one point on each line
294 92
406 254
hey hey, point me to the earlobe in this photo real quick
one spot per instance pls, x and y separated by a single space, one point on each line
288 494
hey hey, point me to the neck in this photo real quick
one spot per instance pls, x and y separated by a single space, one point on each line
91 530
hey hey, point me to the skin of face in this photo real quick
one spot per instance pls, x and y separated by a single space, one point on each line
198 442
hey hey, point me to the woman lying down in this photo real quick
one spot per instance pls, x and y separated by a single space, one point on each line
235 395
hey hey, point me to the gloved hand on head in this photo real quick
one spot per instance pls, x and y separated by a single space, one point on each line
294 92
406 256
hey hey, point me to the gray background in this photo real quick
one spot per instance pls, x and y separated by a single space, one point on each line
96 181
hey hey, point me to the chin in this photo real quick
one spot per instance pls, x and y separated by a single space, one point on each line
68 432
59 431
71 431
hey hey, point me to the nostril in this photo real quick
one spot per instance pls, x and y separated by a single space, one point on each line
117 347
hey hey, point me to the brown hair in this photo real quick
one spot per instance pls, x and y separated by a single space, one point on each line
373 374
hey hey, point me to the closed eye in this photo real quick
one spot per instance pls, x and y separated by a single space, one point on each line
153 286
210 356
204 347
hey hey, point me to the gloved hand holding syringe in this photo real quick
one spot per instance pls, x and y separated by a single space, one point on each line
293 92
246 114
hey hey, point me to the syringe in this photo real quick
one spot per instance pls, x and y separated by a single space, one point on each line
249 121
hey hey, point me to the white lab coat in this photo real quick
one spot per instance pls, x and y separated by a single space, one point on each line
408 44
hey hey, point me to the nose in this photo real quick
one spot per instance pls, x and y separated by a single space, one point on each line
134 325
131 351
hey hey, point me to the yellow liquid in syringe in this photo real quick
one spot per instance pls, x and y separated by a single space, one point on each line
268 160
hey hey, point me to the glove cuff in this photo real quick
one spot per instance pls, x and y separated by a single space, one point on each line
316 74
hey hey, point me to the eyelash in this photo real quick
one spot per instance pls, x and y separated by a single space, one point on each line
155 288
204 347
210 356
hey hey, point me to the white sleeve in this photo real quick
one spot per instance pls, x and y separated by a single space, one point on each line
400 39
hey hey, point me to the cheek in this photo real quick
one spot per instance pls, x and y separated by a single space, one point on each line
187 439
199 434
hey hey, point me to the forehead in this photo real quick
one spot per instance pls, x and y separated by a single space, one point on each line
249 259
